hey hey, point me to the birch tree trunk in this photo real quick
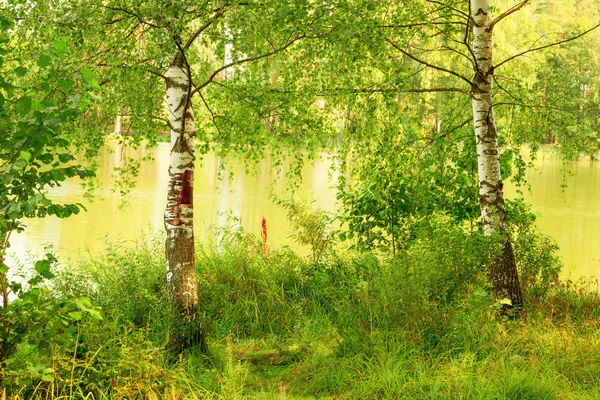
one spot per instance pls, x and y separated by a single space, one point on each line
503 269
181 270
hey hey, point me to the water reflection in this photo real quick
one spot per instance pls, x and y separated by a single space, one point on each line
244 196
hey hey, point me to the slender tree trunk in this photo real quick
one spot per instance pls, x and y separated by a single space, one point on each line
117 128
503 269
181 270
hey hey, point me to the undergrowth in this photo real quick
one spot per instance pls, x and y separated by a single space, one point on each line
347 325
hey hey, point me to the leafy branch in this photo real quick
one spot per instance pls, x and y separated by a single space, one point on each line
244 61
547 46
429 64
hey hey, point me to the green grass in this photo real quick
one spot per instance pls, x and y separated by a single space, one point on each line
353 326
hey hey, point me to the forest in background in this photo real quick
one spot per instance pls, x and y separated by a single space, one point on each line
433 287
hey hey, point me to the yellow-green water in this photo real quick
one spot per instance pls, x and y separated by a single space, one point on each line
571 215
127 219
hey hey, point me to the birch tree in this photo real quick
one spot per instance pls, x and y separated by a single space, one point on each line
443 50
503 269
188 48
179 212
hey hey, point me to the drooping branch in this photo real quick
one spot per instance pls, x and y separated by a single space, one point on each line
428 64
520 103
446 48
212 114
547 46
244 61
442 135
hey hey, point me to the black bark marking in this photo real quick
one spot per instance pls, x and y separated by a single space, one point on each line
487 138
172 83
494 196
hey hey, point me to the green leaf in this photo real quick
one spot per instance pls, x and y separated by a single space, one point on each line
65 84
25 155
20 71
42 267
65 157
47 378
94 313
43 61
24 103
94 96
47 103
7 86
83 303
75 99
60 45
66 212
75 315
46 158
90 78
38 367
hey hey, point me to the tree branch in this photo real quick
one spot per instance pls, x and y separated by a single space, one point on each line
428 64
395 90
506 13
212 114
456 10
538 106
546 46
433 138
218 13
243 61
466 41
417 24
130 13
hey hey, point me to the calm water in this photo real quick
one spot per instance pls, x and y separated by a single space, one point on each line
244 196
571 215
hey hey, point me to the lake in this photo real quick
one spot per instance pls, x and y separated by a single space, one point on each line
570 215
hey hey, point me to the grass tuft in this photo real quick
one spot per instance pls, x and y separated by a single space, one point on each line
420 325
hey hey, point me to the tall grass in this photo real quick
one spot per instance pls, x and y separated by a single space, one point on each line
421 325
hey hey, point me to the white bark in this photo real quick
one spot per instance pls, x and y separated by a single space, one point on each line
117 128
181 273
490 180
503 270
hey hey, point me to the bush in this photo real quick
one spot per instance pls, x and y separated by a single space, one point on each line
536 254
42 330
420 324
129 284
